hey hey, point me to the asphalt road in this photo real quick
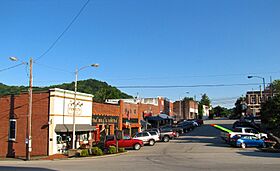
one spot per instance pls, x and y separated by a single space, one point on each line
201 149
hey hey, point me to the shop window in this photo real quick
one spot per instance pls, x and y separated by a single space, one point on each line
84 137
12 130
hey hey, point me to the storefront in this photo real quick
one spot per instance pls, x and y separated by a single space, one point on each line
61 120
104 123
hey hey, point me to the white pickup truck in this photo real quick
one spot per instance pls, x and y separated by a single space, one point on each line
242 131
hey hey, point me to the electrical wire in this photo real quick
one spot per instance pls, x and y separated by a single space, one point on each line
11 67
195 76
64 31
186 86
53 68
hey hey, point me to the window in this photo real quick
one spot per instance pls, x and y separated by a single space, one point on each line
12 131
153 133
145 134
253 99
125 137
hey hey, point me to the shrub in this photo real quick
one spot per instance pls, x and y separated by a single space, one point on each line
121 150
84 153
99 152
112 150
96 151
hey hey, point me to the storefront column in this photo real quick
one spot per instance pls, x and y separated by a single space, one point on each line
121 115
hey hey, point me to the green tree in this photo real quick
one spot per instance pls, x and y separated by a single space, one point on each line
205 100
220 111
270 112
239 107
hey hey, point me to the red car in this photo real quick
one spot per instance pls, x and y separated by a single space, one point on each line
126 142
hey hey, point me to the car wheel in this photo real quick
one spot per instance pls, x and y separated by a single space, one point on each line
137 146
263 145
165 139
152 142
243 145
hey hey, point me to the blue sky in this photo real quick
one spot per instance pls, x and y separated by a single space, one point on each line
147 42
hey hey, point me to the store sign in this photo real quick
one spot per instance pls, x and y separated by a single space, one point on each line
71 107
104 120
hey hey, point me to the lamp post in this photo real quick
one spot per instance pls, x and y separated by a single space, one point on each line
263 79
28 139
75 99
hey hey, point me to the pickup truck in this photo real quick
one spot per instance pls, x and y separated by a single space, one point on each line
242 131
126 142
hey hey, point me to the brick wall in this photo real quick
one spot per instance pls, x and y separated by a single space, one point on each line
17 107
105 109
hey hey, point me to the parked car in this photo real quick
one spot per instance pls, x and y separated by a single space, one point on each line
242 131
198 121
126 142
174 128
186 126
250 141
166 134
146 137
155 135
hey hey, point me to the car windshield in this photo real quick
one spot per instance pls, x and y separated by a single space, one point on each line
126 137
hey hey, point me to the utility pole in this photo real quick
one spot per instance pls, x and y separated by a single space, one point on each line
29 116
74 111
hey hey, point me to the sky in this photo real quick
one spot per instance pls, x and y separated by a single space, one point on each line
145 43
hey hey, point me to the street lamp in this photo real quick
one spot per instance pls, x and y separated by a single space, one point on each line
75 99
29 115
263 79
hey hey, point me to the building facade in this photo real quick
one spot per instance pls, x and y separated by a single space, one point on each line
52 122
185 109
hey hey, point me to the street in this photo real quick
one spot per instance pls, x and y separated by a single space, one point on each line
200 149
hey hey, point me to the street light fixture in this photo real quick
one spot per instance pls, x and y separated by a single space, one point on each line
75 99
263 79
29 115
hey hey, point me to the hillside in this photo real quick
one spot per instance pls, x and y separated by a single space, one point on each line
100 90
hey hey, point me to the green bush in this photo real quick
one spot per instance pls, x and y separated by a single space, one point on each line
84 153
99 152
121 150
112 150
96 151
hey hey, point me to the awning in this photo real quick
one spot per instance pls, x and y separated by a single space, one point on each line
78 127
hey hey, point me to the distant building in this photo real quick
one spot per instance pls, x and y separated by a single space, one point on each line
254 100
185 109
149 106
205 111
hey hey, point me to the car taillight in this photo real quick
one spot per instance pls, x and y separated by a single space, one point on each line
173 133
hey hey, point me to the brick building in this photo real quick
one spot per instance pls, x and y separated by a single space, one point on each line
13 114
52 122
185 109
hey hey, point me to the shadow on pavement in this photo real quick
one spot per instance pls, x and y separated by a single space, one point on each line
14 168
204 134
260 154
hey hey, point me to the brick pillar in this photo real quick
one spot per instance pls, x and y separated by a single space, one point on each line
139 116
121 116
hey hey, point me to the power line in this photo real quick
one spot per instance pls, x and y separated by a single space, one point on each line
53 68
65 30
11 67
196 76
186 86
